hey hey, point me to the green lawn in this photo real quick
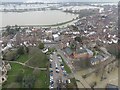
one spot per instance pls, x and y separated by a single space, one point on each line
35 58
16 69
66 66
23 58
38 60
42 78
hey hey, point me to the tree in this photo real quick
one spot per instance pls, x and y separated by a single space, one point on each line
27 50
74 27
20 50
73 46
19 78
28 81
11 55
79 39
41 45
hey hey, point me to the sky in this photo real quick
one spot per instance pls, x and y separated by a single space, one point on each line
60 0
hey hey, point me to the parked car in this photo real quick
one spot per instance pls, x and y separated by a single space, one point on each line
51 60
57 70
50 65
51 74
64 73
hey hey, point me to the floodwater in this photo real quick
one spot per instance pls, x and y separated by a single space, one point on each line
49 17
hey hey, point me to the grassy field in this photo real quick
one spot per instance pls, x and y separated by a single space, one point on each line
43 80
35 58
16 69
38 60
66 66
23 58
42 77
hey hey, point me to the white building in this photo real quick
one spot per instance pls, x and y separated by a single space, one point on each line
56 37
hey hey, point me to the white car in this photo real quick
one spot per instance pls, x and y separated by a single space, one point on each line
57 70
50 55
51 87
51 77
59 57
51 60
54 52
60 60
56 65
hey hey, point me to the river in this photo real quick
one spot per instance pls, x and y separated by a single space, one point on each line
49 17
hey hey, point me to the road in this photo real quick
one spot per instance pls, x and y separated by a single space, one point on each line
57 76
82 83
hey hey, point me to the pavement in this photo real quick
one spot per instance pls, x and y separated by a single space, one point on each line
112 78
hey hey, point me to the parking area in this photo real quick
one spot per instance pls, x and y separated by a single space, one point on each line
57 71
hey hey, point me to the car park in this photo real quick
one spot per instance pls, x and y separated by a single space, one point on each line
51 84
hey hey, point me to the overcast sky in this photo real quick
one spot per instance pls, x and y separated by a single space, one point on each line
62 0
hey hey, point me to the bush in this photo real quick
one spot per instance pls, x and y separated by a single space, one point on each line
21 50
41 46
19 78
28 81
10 55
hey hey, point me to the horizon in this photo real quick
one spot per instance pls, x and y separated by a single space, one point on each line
54 1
